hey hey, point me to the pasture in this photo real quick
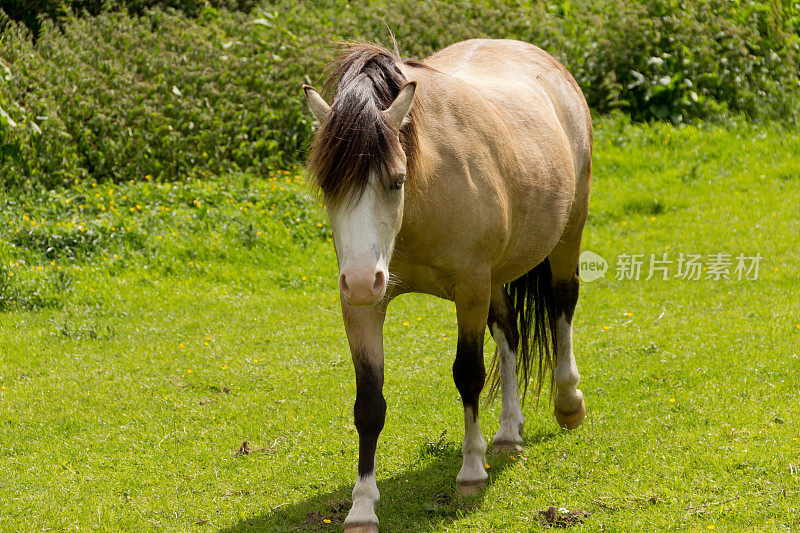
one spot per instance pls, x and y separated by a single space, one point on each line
148 329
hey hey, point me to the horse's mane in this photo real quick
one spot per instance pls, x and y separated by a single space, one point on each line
356 136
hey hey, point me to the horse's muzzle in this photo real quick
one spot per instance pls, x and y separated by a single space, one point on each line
362 286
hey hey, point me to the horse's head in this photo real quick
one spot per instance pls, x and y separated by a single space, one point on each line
360 165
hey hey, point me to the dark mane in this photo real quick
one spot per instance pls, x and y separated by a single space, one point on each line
357 137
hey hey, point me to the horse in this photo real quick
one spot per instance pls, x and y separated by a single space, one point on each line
465 176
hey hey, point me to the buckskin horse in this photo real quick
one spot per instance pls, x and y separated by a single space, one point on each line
465 176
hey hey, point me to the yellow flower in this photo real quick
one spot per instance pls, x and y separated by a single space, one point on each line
188 370
180 345
255 360
405 323
224 367
326 520
672 400
606 327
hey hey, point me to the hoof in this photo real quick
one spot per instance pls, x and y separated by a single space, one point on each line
571 420
471 488
361 528
507 447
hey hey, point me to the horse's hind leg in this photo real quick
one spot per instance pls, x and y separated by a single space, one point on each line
503 325
569 405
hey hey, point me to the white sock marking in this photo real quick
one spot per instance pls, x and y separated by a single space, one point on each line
568 397
365 496
473 451
511 418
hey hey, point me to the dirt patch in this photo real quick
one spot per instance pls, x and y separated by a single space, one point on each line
334 513
246 449
561 517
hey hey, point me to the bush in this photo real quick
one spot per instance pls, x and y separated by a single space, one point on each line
31 12
679 60
121 97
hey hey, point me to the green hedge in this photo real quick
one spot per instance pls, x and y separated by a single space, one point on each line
165 95
122 98
31 12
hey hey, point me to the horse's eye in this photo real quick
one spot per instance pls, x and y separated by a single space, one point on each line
398 184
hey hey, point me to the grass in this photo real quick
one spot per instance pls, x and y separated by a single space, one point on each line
141 345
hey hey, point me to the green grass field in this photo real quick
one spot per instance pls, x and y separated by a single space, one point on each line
148 329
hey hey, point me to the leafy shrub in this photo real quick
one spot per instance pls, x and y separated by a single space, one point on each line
31 12
678 60
120 97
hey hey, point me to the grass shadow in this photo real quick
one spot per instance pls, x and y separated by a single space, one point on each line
419 499
542 435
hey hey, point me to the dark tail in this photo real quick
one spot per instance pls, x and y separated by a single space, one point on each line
534 302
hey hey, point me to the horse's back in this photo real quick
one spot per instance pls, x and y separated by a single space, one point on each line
527 85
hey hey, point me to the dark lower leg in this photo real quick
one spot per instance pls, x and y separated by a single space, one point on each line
569 405
469 376
369 413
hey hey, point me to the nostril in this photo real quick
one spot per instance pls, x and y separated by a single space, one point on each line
380 281
343 284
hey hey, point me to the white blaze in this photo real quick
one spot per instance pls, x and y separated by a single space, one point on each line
364 233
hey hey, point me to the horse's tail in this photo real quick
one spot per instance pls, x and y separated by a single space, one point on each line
534 302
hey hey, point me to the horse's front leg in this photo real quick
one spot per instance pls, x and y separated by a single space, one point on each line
364 327
472 310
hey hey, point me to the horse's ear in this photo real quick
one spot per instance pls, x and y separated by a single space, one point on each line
398 111
319 108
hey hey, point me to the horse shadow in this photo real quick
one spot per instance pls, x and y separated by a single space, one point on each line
419 499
